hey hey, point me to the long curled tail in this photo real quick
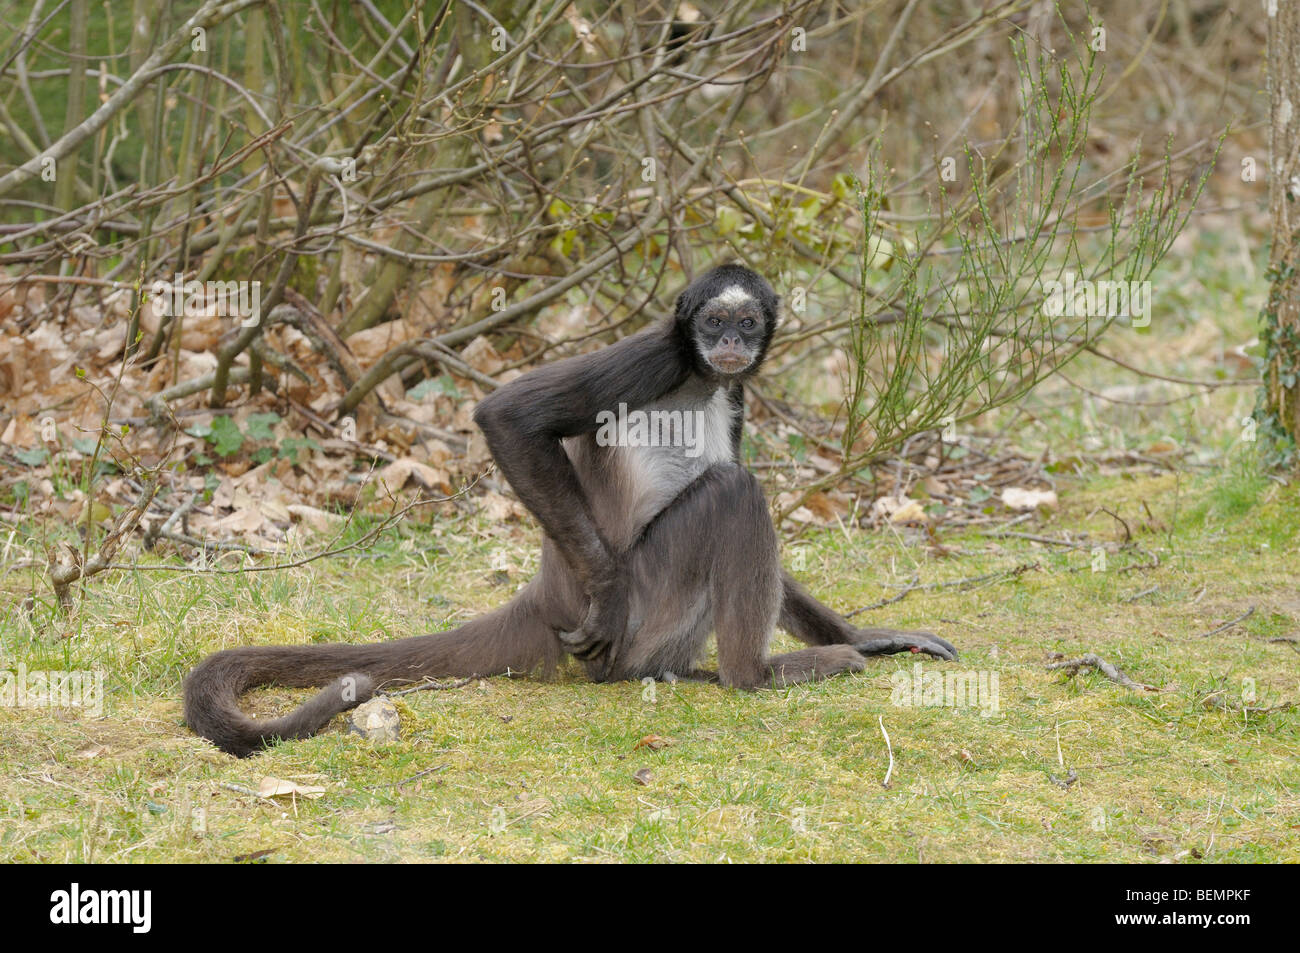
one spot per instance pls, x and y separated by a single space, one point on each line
212 693
511 639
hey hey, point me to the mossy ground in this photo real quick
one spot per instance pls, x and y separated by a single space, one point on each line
536 770
530 770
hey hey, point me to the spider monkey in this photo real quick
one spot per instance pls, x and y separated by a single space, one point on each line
654 537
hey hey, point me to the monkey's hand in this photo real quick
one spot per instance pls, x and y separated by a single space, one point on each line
890 641
600 637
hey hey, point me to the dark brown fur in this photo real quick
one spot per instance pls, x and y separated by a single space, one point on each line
665 574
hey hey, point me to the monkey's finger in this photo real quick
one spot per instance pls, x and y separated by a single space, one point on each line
583 640
615 646
944 643
583 646
908 642
938 649
885 641
573 640
579 638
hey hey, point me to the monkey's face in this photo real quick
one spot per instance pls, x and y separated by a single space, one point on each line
730 331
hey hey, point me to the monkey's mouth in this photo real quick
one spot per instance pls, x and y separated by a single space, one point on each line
729 362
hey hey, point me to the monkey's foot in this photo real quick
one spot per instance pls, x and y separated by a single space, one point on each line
890 641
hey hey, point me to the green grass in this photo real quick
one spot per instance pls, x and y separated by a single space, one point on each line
532 770
535 770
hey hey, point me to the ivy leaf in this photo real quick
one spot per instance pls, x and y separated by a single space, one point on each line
259 426
442 384
290 448
226 437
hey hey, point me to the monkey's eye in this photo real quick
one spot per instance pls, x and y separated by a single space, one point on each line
747 324
714 323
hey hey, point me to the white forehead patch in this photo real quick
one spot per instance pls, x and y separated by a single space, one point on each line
733 296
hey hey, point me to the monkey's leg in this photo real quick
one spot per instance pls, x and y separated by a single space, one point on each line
809 621
709 561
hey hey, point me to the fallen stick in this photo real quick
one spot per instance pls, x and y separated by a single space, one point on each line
1138 595
1228 625
1072 666
432 686
911 586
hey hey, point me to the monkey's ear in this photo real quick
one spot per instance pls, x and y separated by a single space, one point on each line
778 312
688 302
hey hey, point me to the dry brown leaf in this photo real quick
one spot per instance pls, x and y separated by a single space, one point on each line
371 344
899 510
482 356
21 432
240 522
934 486
322 521
395 475
501 508
911 512
277 787
437 452
821 507
108 343
799 515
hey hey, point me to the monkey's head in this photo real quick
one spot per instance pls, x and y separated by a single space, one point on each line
727 317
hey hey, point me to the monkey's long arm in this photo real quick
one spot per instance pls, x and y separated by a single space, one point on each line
525 420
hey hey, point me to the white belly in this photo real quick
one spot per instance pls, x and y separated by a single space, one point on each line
657 474
641 462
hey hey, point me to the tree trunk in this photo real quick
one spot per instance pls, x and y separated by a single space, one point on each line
1281 333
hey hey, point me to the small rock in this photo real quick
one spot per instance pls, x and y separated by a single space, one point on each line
377 720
